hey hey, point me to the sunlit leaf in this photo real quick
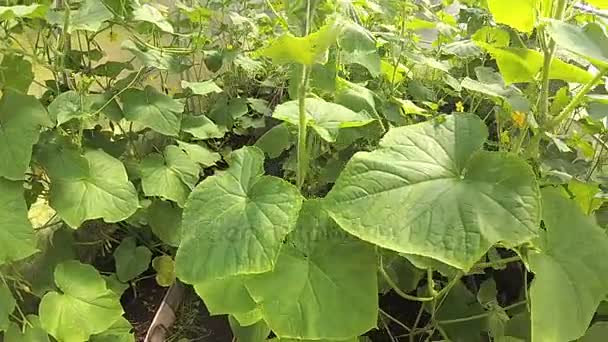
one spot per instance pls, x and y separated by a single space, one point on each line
438 195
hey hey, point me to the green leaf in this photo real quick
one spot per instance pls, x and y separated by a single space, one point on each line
200 154
519 14
89 17
131 260
21 117
7 305
229 296
303 50
17 238
252 333
69 105
171 175
202 88
201 127
429 190
359 46
325 118
235 221
33 333
598 331
161 60
83 307
589 41
601 4
275 141
153 109
459 303
90 186
585 194
21 11
165 270
165 220
115 285
325 278
523 65
151 14
571 267
16 73
120 331
493 36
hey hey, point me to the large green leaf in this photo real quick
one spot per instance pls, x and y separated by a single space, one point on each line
201 127
325 118
598 3
359 46
131 260
229 296
120 331
234 222
202 88
523 65
589 41
460 303
90 186
429 190
69 105
597 332
519 14
21 11
32 333
17 238
200 154
171 175
324 284
165 220
152 15
153 109
21 117
89 17
161 60
7 305
16 73
253 333
303 50
83 307
570 266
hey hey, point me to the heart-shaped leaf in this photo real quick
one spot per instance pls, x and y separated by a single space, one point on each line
131 260
429 190
153 109
90 186
17 238
570 266
235 221
325 118
589 41
83 307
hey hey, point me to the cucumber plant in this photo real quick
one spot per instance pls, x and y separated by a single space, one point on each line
297 161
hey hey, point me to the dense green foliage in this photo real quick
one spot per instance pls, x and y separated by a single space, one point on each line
297 160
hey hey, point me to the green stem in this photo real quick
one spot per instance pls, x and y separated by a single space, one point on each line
302 153
396 321
398 291
500 262
549 52
567 111
479 316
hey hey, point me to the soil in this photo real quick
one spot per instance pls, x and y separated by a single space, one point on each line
193 321
140 304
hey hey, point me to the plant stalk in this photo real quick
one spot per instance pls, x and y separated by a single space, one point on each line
567 111
549 52
302 122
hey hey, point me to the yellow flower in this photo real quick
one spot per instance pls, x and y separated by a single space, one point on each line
459 107
519 119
